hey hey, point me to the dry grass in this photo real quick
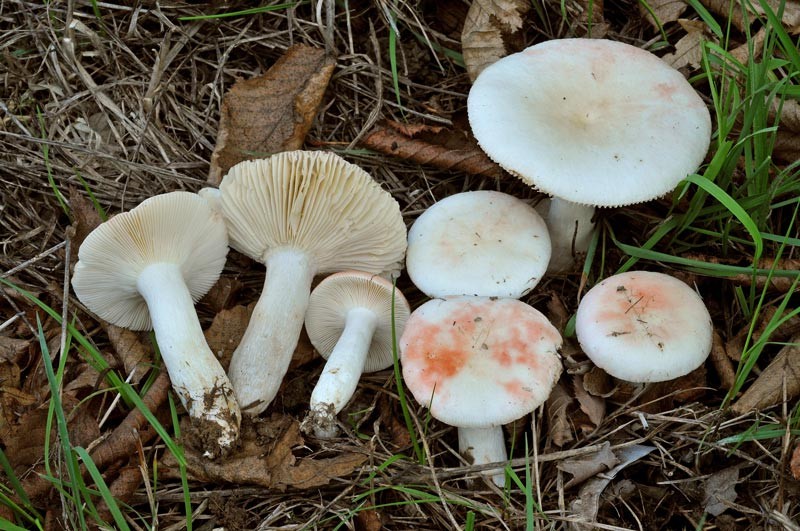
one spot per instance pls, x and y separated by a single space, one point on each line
129 102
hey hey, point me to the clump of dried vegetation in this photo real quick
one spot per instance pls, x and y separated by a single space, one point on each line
106 104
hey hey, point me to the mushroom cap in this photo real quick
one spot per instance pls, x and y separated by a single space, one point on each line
592 121
642 326
481 243
176 227
317 202
478 362
339 293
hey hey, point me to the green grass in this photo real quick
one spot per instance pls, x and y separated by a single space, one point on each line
242 12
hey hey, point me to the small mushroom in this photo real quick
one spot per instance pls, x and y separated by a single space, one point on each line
643 327
478 243
143 270
478 363
349 322
591 122
300 213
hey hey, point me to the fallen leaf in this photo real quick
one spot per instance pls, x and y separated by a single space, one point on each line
720 490
222 295
689 49
665 11
390 420
488 22
131 351
226 331
85 219
12 348
122 489
779 381
557 312
597 382
584 467
593 406
369 519
432 145
272 112
722 363
557 417
587 503
756 43
790 19
591 16
794 464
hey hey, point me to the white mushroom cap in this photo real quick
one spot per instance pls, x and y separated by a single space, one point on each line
316 202
177 228
481 243
591 121
338 294
642 326
478 362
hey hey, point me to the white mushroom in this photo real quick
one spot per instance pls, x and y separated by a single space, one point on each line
644 327
478 243
300 213
478 363
592 122
143 270
349 322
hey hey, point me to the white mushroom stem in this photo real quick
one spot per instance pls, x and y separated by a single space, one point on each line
196 374
262 358
485 445
570 225
339 378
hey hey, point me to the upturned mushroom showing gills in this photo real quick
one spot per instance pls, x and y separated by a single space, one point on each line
642 327
349 322
591 122
143 270
477 363
481 243
300 213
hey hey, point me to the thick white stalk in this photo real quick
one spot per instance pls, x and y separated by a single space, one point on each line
485 445
339 378
570 225
196 374
262 358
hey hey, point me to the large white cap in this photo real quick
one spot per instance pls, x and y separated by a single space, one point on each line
331 302
478 243
478 362
315 202
591 121
642 326
176 227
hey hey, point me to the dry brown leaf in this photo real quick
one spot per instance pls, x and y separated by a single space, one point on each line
12 348
591 16
593 406
435 146
666 11
790 19
735 346
794 464
226 331
688 50
369 519
742 53
582 468
272 112
132 351
720 490
557 418
768 389
557 312
722 363
122 488
85 219
597 382
787 148
390 420
222 295
488 22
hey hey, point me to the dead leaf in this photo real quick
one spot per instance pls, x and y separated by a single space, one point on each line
689 49
226 331
781 376
665 11
720 490
222 295
742 53
12 348
593 406
557 418
488 24
557 312
369 519
794 464
85 219
272 112
390 420
790 19
591 16
722 363
134 353
432 145
597 382
584 467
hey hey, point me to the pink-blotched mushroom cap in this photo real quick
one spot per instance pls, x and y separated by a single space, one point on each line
642 326
478 362
591 121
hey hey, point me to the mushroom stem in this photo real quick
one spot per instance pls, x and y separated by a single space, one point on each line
262 358
196 374
339 379
570 225
485 445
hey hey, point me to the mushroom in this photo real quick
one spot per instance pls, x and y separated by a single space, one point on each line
300 213
349 322
143 270
478 243
643 327
591 122
477 363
